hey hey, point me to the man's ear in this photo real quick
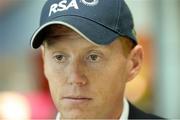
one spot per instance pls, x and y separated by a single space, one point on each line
135 60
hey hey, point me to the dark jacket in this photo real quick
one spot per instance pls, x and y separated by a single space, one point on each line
135 113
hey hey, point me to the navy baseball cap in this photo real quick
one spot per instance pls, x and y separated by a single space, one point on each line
98 21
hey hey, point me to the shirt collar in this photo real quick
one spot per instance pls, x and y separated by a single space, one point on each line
124 115
125 112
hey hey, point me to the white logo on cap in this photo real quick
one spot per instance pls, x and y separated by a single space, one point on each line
63 5
90 2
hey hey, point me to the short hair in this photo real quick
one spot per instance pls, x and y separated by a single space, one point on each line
127 45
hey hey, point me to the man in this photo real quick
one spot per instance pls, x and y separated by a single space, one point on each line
90 52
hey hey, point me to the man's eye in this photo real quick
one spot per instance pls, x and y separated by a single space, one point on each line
60 58
93 58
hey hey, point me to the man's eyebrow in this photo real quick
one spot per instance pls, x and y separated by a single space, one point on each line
97 47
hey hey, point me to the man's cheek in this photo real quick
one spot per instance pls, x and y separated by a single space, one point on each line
55 90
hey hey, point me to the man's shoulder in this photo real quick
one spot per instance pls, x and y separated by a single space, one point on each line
135 113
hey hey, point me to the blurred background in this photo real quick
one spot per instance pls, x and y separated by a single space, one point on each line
24 90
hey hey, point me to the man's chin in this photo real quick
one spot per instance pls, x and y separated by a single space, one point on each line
75 114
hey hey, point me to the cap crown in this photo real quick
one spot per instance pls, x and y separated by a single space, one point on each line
113 14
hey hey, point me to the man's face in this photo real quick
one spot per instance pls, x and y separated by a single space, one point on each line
86 80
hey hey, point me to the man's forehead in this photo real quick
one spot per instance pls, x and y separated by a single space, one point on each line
59 34
57 30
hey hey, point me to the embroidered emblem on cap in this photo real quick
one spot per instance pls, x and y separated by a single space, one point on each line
90 2
62 6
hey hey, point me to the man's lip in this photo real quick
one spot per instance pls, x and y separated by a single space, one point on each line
77 98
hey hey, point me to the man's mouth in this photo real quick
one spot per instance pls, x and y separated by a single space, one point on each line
76 99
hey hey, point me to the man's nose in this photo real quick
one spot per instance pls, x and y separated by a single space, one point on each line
76 75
